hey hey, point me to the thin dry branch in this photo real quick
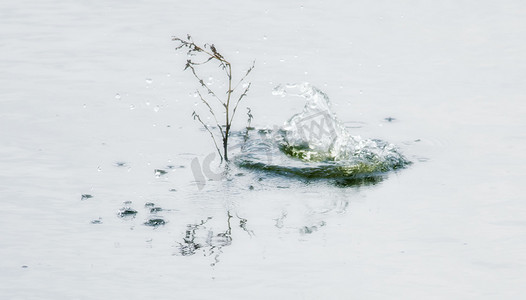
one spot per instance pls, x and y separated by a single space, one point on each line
196 116
245 76
211 53
239 100
212 113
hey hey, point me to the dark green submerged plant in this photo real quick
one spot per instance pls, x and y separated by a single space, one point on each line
202 55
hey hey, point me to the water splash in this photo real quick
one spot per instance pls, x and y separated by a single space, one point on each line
315 144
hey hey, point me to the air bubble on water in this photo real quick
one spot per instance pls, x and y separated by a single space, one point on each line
132 107
149 80
118 96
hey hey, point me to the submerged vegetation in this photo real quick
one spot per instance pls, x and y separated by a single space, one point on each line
199 56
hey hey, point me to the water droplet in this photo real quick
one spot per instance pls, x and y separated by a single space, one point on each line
118 96
147 103
282 60
265 37
99 169
149 80
168 75
306 73
84 105
132 107
156 108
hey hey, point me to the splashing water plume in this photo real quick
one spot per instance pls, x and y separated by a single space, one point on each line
315 144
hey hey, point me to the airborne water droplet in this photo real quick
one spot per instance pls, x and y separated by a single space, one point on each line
156 108
118 96
149 80
132 107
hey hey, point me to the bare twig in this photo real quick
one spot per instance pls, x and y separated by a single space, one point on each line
212 54
196 116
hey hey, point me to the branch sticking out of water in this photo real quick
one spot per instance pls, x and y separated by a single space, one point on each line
199 56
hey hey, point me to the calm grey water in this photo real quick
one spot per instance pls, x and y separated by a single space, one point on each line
93 100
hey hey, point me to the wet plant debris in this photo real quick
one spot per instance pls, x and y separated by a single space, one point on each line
155 222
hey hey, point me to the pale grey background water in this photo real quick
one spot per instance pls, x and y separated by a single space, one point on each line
450 226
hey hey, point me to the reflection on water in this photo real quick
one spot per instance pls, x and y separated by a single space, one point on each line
200 238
